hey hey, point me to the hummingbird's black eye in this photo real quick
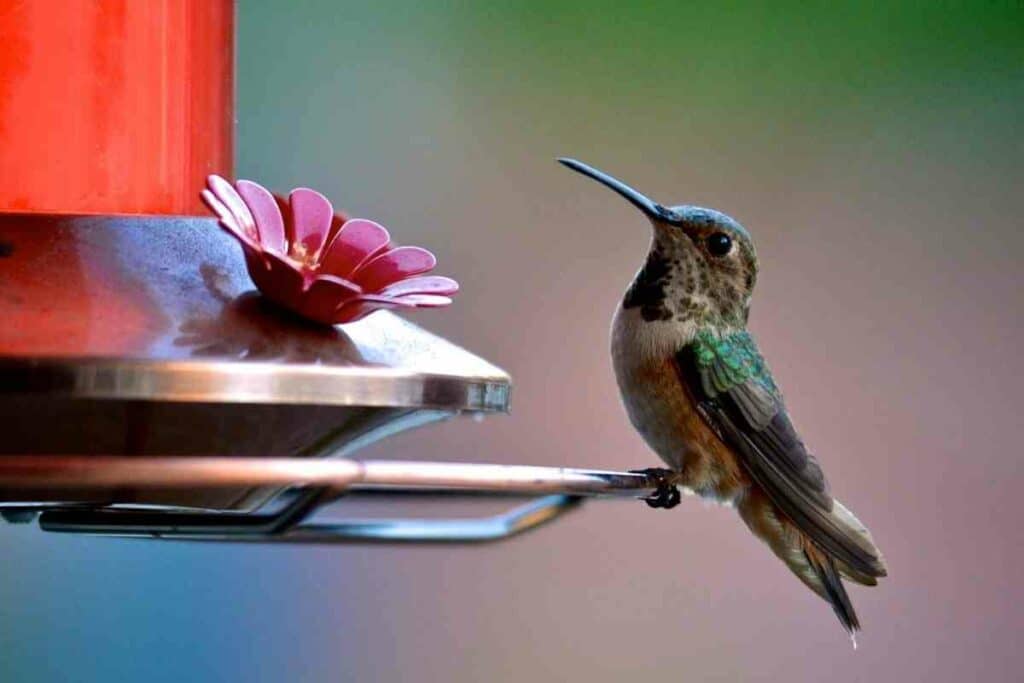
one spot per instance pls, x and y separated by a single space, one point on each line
719 244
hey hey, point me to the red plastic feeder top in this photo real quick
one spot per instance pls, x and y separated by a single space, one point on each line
114 106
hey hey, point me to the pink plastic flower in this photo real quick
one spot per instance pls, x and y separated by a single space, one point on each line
319 264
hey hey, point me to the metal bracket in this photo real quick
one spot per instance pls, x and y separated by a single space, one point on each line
312 484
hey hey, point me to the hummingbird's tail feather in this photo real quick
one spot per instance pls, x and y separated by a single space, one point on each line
846 518
843 515
827 574
814 566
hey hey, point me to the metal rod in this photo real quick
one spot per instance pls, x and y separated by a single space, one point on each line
58 471
526 479
516 521
212 526
61 471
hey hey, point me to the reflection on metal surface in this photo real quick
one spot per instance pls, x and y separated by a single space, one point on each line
316 482
161 309
249 328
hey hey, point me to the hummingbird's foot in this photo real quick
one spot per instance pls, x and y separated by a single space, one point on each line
667 494
666 497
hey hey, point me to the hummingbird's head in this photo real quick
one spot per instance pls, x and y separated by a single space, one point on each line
701 267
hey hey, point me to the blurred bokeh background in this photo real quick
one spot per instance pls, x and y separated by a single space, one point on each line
875 153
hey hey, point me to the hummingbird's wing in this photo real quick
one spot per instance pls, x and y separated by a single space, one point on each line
734 390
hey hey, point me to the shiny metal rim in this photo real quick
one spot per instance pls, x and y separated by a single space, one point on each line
249 382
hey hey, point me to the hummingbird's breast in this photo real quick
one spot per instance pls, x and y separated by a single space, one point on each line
661 410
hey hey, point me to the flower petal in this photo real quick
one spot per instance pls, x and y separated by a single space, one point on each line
426 284
325 296
354 310
217 206
356 242
233 202
286 211
364 305
228 222
380 299
393 265
269 222
339 219
311 221
281 281
352 288
423 300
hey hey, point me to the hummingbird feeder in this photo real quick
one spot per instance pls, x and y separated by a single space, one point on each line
146 388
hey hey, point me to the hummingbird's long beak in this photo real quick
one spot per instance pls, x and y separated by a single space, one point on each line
650 207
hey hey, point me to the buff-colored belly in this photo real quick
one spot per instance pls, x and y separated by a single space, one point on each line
661 410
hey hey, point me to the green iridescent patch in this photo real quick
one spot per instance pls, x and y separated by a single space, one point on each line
730 359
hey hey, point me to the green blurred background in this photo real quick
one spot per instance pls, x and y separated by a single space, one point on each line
874 150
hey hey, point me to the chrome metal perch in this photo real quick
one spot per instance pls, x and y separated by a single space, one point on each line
310 484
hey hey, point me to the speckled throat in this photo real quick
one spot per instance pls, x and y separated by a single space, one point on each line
647 292
672 288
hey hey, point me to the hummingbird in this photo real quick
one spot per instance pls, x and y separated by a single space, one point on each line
697 389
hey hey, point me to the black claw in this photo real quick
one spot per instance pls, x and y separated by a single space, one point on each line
667 495
665 498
